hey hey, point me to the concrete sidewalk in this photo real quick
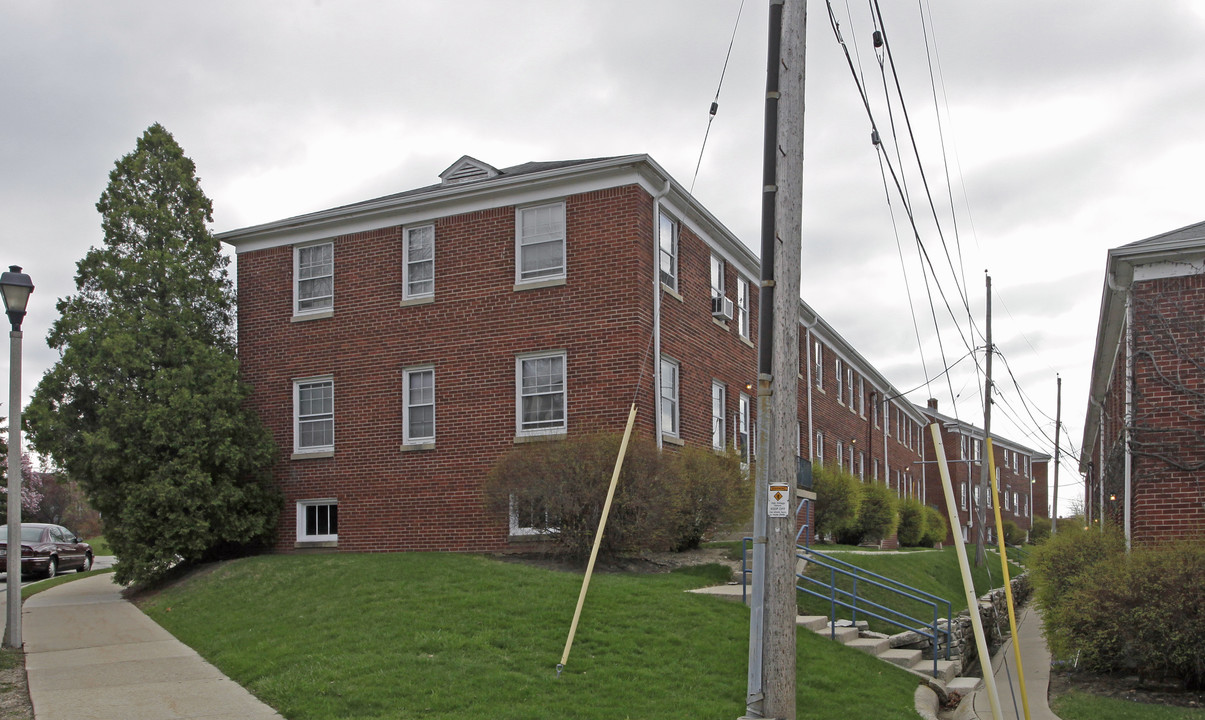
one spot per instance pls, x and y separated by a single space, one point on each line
1035 661
90 655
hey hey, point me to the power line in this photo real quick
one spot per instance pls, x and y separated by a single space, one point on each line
715 103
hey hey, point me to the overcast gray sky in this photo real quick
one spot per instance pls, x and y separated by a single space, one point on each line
1068 128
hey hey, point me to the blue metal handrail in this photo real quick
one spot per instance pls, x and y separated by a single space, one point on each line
839 597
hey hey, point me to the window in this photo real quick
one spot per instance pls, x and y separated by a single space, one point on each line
529 517
717 415
978 503
851 457
742 307
962 491
314 415
667 240
318 520
849 385
1007 506
962 447
875 466
862 397
419 262
540 386
540 238
840 454
818 360
862 465
874 410
314 273
418 409
840 382
669 397
717 276
818 453
743 445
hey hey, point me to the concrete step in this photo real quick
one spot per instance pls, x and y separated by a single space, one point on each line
946 669
964 685
874 646
812 622
842 635
904 658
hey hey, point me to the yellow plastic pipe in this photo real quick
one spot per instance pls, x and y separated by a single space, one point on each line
985 660
602 524
1008 585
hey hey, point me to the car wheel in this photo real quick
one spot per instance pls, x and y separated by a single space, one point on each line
87 564
52 568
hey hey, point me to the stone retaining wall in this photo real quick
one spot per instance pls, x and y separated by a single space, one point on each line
993 611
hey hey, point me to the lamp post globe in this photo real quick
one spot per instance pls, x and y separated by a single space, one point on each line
15 286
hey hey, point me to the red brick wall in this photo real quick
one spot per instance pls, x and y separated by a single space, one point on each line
1168 446
601 317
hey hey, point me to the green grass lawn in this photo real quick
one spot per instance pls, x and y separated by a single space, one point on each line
100 546
936 573
1075 705
415 635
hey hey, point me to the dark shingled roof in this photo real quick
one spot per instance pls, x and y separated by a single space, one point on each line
1184 234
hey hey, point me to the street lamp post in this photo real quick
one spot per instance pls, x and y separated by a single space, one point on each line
16 287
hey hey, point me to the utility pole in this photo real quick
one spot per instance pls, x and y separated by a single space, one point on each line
771 689
984 489
1058 423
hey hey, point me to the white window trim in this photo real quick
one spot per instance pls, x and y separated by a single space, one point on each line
674 252
840 454
818 361
718 429
717 262
297 312
407 438
819 449
513 519
742 307
406 294
519 279
849 380
744 426
536 432
675 399
297 447
840 381
301 506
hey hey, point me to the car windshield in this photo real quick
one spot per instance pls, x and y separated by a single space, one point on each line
28 534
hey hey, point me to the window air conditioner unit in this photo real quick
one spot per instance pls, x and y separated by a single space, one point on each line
721 307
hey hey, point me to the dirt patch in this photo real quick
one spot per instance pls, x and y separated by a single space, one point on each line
1125 688
14 687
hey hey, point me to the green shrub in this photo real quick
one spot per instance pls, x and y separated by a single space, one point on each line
1013 535
1060 566
710 493
1140 613
911 529
935 527
558 488
876 515
838 496
1040 530
663 501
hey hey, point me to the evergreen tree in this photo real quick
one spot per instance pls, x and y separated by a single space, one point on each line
144 406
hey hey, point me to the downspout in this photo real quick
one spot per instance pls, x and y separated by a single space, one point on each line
1100 475
810 362
657 311
1129 414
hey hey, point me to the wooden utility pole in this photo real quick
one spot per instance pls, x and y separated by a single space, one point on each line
1058 422
771 690
984 488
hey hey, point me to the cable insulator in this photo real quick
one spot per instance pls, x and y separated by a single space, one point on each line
874 137
714 106
878 38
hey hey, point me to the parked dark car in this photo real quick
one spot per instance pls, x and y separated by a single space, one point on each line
47 549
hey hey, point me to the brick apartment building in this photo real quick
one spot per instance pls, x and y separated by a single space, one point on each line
398 347
1144 434
1020 475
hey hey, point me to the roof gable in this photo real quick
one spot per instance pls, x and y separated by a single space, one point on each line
467 169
